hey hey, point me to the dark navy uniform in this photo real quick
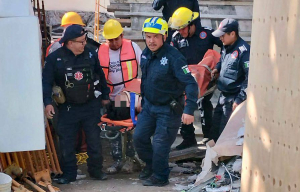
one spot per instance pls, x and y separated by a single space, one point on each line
170 6
194 48
233 82
165 77
76 76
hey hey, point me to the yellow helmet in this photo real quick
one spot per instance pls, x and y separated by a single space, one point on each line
71 18
155 25
112 29
181 18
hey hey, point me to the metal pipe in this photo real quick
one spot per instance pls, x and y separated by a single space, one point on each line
28 157
46 160
33 185
3 160
53 148
15 158
51 156
8 159
21 159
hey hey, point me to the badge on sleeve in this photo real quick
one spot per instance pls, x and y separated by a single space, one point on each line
78 76
246 64
172 44
164 61
185 69
203 35
235 54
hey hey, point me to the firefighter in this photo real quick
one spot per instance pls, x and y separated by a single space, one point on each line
169 6
119 58
75 68
193 41
165 78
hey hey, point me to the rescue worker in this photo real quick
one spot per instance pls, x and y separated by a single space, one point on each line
74 68
119 58
172 5
193 41
165 78
233 74
71 18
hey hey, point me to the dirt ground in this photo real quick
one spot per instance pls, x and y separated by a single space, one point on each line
121 181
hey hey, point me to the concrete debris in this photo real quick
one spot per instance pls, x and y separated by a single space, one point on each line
181 170
237 166
192 178
220 189
174 179
179 187
171 165
189 165
240 142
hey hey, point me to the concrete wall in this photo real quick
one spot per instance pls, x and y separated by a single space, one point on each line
75 5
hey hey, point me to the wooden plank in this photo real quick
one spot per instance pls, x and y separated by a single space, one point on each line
120 14
271 145
247 2
198 151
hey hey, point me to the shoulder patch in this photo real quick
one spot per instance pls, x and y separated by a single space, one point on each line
234 54
144 57
203 35
207 28
242 48
172 44
185 69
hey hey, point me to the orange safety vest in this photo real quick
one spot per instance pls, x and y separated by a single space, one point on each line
129 65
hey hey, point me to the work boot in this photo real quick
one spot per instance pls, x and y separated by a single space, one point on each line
152 181
98 175
128 166
115 167
145 173
186 144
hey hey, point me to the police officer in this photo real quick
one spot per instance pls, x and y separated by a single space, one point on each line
233 70
193 41
71 18
75 68
171 5
165 77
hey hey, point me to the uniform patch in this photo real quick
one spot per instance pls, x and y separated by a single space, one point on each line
203 35
78 76
164 61
172 44
58 59
91 55
246 64
144 57
242 48
235 54
185 69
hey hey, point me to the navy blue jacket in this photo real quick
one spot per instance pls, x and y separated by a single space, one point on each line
165 76
54 72
170 6
233 68
195 47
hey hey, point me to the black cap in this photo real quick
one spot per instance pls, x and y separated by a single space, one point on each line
72 32
227 25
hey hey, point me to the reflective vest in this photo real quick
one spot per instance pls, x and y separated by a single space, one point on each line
129 66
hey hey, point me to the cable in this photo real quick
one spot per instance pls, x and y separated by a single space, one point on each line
223 165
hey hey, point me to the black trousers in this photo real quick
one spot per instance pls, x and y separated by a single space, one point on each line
221 115
206 109
71 118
